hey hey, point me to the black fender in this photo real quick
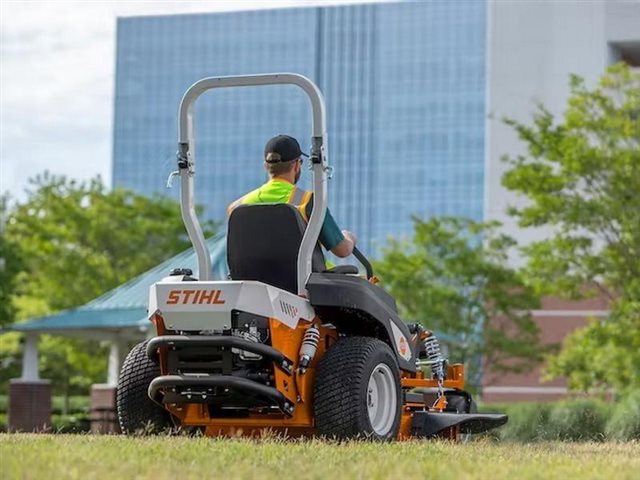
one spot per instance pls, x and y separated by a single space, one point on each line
358 307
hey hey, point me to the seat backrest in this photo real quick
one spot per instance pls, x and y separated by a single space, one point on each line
263 242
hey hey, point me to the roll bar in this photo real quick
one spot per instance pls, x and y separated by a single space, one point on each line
318 155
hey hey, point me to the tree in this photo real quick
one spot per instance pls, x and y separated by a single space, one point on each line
10 265
453 278
78 240
581 176
605 354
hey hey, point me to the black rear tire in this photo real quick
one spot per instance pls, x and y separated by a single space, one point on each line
341 389
136 412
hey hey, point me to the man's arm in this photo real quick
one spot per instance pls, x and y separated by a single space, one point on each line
340 243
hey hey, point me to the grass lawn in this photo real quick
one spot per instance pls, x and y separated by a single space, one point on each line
25 456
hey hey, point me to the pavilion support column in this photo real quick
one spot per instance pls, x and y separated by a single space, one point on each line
30 358
29 396
116 351
104 418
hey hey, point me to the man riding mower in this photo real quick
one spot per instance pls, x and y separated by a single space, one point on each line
285 345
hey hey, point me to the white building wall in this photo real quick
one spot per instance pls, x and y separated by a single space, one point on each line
533 47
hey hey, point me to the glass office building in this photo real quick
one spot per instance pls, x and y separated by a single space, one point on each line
405 90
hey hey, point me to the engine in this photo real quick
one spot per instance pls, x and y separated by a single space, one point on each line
198 361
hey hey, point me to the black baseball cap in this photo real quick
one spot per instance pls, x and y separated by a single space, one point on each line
282 148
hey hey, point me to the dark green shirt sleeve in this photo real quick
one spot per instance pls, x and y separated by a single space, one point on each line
330 234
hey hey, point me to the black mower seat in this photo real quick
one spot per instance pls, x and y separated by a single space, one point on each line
263 242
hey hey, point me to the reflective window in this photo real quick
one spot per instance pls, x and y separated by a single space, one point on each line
404 85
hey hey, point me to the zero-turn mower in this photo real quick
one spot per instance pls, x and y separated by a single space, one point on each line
285 345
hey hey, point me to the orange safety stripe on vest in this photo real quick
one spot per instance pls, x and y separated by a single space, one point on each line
302 207
300 199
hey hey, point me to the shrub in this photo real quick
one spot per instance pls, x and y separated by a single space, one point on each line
624 423
581 420
527 422
59 423
77 404
70 423
575 420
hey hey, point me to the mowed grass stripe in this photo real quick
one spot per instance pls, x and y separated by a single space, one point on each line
27 456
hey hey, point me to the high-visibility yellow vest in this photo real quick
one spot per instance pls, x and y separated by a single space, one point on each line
276 191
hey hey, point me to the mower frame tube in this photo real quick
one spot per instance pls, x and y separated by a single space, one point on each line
319 164
226 381
227 341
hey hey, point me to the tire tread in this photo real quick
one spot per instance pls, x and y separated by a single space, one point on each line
136 411
340 410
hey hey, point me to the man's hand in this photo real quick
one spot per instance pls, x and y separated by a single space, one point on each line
345 247
351 236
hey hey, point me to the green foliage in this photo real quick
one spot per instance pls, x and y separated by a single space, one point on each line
604 353
75 423
10 359
72 364
567 420
452 276
577 420
624 423
74 405
582 179
77 240
528 422
10 265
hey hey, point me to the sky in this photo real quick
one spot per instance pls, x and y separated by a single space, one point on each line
57 70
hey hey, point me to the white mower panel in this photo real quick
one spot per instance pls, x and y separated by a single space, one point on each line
208 305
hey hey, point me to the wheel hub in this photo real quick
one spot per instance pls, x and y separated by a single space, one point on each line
382 399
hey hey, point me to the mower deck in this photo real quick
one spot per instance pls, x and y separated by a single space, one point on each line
430 424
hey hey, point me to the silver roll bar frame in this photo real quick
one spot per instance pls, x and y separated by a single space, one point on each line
318 157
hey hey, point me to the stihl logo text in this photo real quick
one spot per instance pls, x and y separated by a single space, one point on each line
210 297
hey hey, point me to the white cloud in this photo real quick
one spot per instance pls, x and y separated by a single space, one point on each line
57 78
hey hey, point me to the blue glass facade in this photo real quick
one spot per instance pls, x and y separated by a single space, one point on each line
404 85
